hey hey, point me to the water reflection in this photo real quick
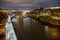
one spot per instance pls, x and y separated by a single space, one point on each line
27 22
31 29
52 33
37 30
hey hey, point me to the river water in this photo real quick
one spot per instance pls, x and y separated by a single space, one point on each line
31 29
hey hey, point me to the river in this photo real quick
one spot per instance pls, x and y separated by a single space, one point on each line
31 29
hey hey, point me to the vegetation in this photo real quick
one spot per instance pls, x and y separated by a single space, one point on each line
2 16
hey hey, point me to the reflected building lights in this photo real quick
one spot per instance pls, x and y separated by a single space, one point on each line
46 29
51 32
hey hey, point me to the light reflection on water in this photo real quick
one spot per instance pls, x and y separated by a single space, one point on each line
27 22
41 29
53 33
34 30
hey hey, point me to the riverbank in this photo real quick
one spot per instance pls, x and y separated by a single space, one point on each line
46 21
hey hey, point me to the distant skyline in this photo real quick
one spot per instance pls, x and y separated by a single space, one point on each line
28 4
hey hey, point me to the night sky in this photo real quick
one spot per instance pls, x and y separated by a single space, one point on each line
28 4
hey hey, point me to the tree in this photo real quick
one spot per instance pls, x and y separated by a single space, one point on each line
2 16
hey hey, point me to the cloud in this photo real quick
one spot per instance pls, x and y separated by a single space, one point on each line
28 4
25 4
14 1
25 1
20 4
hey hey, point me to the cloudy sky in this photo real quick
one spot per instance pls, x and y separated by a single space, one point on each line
28 4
